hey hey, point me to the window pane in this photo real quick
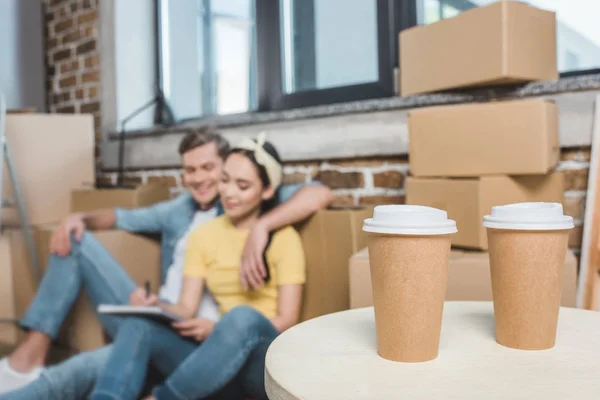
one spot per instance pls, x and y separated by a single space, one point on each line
328 43
578 36
208 56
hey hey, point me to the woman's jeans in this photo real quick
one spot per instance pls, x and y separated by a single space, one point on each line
230 363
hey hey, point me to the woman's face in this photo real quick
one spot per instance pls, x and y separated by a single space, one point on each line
240 188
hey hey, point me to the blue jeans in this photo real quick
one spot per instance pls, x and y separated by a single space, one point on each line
90 267
228 364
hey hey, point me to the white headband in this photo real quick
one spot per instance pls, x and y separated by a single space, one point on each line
272 166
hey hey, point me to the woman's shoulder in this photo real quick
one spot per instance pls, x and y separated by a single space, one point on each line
210 228
286 235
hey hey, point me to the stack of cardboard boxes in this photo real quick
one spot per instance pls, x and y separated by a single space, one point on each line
468 158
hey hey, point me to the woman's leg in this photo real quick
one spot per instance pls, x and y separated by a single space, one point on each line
71 379
137 342
221 357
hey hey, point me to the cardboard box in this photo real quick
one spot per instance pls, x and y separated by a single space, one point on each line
139 255
503 138
468 200
507 42
53 154
330 237
8 328
469 278
83 200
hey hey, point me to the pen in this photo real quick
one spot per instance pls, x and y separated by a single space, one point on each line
147 289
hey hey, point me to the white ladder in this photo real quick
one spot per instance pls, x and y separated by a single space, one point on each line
18 200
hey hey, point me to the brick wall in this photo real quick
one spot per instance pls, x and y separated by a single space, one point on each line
73 59
381 181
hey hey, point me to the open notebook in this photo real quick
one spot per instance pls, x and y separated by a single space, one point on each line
152 312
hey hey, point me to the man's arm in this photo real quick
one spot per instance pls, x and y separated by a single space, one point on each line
305 202
100 219
76 223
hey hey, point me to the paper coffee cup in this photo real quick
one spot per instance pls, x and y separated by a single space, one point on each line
409 248
527 247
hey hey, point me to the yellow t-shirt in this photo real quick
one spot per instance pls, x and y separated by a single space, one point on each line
214 253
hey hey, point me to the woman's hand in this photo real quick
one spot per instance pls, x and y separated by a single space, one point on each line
138 298
195 328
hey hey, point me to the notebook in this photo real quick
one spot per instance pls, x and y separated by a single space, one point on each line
152 312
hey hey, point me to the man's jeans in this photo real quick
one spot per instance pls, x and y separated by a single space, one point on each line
90 267
228 364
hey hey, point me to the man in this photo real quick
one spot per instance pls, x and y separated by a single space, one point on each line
79 260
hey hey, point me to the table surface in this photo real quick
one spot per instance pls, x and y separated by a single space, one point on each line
335 357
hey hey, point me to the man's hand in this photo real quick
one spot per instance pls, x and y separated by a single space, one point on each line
60 243
138 298
195 328
252 270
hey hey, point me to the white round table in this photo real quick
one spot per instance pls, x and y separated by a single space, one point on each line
335 357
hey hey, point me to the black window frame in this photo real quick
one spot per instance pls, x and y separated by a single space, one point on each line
393 16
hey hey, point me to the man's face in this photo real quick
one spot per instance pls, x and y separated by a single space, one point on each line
202 172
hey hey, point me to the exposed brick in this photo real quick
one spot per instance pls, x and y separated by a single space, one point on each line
51 44
86 47
576 154
97 122
574 207
48 17
314 165
167 180
66 110
370 162
72 37
89 108
62 26
575 236
79 94
74 7
377 200
92 76
103 180
88 4
296 177
98 135
576 179
61 55
68 82
92 92
341 180
389 179
53 3
91 61
87 17
89 31
132 180
343 201
69 66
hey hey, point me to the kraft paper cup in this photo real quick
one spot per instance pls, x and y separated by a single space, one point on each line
409 248
527 247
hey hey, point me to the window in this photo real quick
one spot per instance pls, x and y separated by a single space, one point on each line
238 56
578 37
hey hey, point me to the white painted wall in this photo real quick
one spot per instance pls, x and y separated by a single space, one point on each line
346 42
22 68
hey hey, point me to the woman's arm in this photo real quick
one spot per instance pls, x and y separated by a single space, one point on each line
189 299
288 307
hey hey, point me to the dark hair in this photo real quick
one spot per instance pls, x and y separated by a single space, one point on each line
266 205
201 136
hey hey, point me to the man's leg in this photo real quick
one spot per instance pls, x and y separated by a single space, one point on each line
71 379
221 357
137 342
90 266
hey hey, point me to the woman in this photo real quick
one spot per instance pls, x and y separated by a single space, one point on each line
229 362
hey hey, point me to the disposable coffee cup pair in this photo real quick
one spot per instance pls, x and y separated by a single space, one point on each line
409 249
527 248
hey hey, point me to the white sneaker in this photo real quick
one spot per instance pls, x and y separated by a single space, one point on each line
12 380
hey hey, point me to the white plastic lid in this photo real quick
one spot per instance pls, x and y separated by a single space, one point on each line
528 216
409 220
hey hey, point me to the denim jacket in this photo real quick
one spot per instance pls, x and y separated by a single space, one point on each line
171 219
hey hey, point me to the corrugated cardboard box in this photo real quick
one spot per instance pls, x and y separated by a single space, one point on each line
8 329
504 43
139 255
330 237
84 200
53 154
468 278
509 138
468 200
